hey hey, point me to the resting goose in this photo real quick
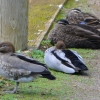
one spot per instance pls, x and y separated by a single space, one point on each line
76 16
60 59
20 68
74 36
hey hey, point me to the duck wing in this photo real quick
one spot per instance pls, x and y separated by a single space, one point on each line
28 59
90 16
75 59
18 63
92 20
95 23
19 66
63 61
86 32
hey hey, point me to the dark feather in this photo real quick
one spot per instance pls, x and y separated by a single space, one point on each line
27 59
75 60
76 16
20 68
75 36
49 76
62 60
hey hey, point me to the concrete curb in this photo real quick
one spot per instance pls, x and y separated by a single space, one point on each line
48 25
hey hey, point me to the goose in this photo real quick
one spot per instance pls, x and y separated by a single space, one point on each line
76 16
20 68
60 59
74 35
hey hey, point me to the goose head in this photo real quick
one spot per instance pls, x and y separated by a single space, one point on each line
6 47
60 45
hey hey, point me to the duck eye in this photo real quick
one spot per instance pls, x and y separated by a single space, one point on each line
3 45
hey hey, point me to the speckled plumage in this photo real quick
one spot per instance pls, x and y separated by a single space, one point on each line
75 36
76 16
19 68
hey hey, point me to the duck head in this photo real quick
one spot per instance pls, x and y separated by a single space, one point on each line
74 16
6 47
54 33
76 9
63 21
60 45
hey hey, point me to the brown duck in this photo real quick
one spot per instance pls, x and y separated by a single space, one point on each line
19 68
76 16
64 60
75 36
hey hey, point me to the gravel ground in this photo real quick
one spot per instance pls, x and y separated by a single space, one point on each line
91 89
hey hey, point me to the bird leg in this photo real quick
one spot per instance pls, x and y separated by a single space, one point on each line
15 89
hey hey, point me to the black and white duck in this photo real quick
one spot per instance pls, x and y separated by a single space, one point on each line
76 16
75 35
19 68
60 59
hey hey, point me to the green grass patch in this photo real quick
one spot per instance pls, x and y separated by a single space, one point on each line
66 86
37 54
63 88
46 43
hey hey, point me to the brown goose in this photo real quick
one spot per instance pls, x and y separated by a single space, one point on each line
75 36
76 16
20 68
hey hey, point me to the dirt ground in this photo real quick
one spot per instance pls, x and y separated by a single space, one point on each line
90 91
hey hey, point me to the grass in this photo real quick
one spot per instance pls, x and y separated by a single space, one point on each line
37 54
63 88
45 42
